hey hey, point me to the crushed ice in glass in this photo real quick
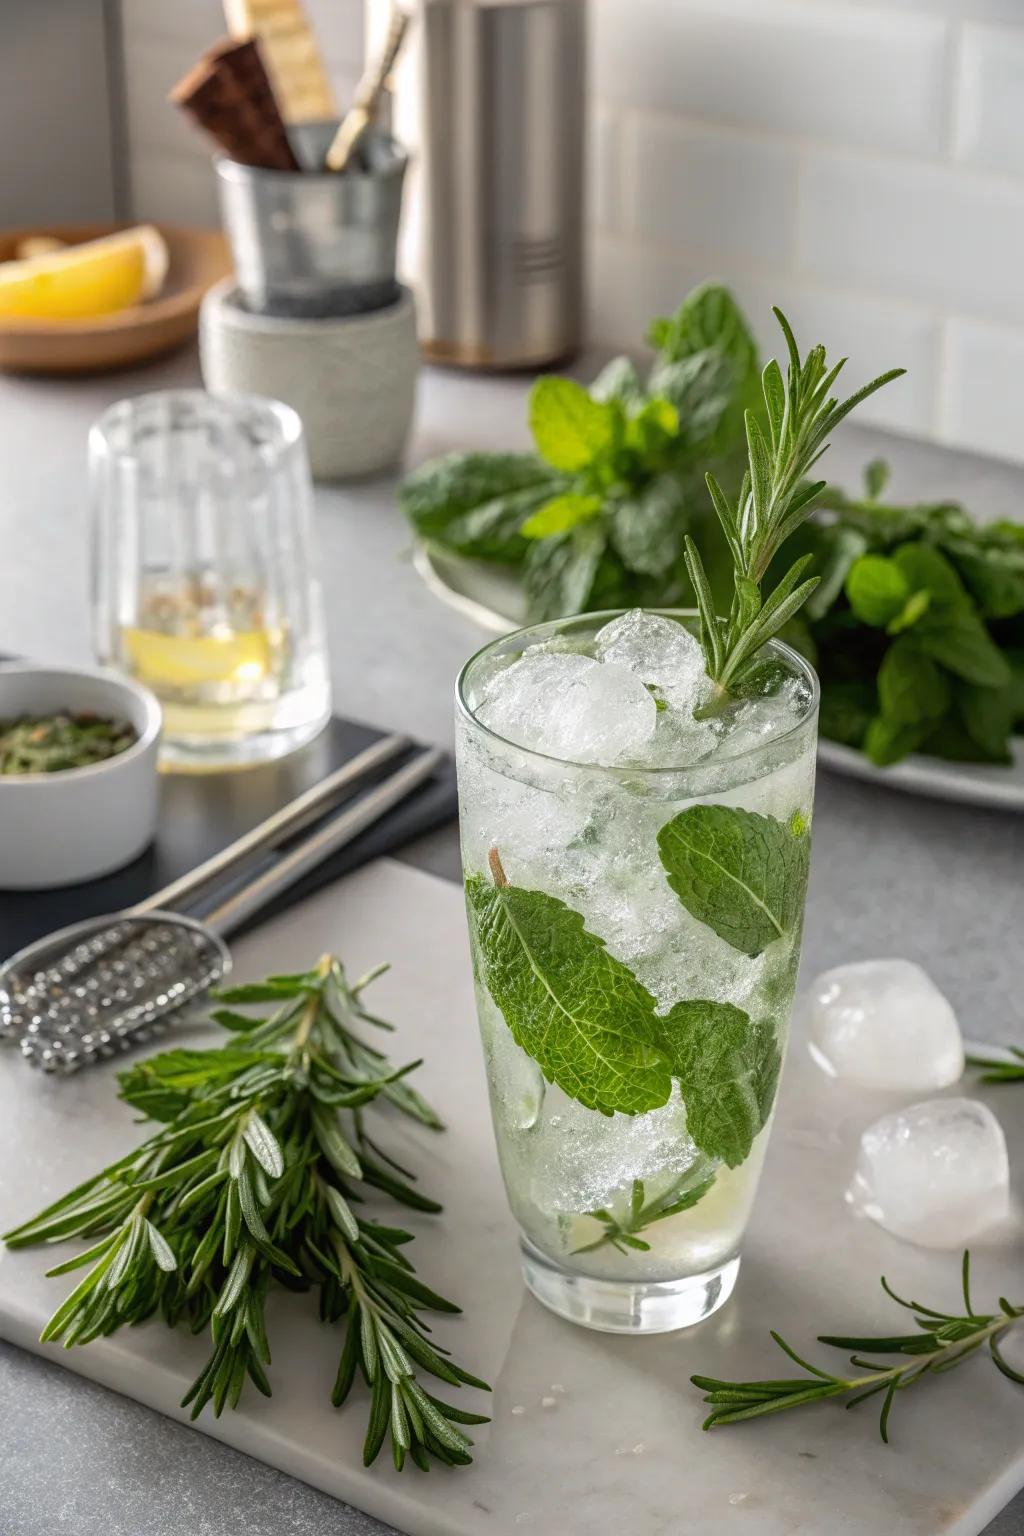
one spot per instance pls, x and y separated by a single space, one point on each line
571 706
935 1173
884 1024
631 701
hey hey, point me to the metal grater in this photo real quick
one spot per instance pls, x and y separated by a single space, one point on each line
108 986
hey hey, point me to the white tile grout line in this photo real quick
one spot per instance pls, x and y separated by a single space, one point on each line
961 170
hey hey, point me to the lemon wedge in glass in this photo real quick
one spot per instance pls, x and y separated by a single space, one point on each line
78 282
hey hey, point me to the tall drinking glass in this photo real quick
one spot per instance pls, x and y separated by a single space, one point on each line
635 934
204 578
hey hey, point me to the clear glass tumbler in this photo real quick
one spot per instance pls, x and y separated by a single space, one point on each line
204 582
635 934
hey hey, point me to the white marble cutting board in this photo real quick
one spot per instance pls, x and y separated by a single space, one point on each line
590 1433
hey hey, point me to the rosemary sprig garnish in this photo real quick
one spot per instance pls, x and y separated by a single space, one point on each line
621 1232
998 1069
775 498
945 1340
257 1175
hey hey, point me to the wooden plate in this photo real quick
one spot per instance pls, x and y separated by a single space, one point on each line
198 259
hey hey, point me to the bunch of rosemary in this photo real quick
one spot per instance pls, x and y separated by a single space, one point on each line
258 1174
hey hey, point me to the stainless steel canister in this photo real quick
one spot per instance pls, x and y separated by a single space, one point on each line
313 243
489 98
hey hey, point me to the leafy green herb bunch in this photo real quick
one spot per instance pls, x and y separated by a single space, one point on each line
259 1173
596 516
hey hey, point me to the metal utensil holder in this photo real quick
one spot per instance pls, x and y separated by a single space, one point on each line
312 243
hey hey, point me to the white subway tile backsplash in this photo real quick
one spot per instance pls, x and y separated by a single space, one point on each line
630 283
789 66
860 162
918 232
990 119
981 407
710 192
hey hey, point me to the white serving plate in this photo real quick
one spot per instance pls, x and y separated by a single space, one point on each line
592 1435
492 598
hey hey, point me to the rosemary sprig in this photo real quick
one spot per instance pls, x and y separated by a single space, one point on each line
945 1340
621 1231
998 1069
258 1174
775 498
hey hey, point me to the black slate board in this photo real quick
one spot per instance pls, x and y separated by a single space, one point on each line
202 813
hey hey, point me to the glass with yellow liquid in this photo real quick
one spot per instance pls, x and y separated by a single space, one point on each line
203 573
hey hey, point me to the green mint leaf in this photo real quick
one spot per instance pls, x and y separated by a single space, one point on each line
560 514
570 428
581 1014
441 492
741 873
847 709
835 551
960 641
702 390
876 478
912 612
646 530
993 569
876 590
559 572
988 718
709 322
651 428
887 741
728 1070
619 380
911 687
493 531
926 569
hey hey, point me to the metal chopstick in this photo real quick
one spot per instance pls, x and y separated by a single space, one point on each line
289 819
338 832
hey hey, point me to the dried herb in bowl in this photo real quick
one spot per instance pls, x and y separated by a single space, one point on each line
53 743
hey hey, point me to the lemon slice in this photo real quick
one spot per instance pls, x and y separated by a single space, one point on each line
80 281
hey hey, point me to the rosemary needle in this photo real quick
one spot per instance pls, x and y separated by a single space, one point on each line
943 1341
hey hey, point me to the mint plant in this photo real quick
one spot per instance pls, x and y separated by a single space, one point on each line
595 517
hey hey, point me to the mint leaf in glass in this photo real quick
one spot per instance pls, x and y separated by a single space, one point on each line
581 1014
740 873
728 1069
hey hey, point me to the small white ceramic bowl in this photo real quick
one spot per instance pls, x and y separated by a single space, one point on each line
65 827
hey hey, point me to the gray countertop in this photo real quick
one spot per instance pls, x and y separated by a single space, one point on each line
938 883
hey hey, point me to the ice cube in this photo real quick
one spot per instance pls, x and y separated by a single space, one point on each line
935 1173
661 652
884 1024
516 1078
571 707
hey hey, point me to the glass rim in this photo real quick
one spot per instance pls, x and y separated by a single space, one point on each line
284 415
800 664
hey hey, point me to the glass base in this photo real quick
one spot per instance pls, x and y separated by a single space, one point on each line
625 1306
183 754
